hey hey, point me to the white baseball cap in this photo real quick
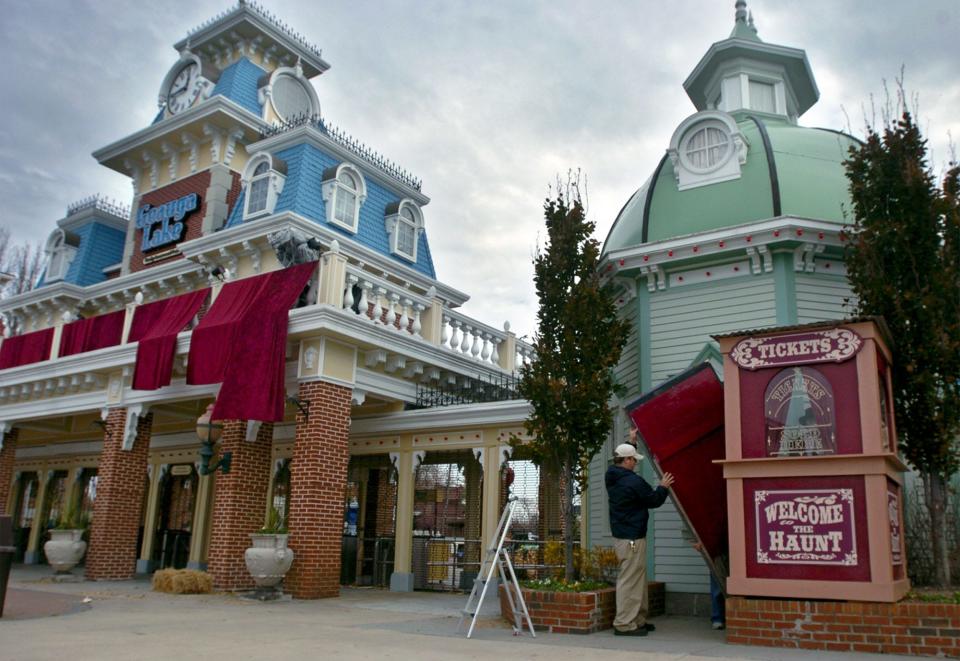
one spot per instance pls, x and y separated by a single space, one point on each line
626 450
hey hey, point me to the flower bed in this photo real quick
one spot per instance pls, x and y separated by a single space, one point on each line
921 629
576 612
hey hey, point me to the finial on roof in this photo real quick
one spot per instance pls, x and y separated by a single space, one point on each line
741 14
750 22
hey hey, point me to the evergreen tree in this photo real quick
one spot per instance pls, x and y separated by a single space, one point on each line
577 344
903 262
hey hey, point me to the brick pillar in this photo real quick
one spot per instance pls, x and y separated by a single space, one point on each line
6 469
121 477
239 499
318 477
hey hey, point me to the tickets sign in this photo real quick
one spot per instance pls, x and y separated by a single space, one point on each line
834 345
806 526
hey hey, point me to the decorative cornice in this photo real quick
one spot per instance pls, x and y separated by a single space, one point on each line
726 242
444 417
216 106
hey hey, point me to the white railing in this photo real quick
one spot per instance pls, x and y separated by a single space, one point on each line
383 302
395 307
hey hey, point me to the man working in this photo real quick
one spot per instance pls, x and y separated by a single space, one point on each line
631 498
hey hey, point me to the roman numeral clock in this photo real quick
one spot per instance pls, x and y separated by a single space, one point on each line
187 82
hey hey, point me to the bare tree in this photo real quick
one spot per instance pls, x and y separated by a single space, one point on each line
20 265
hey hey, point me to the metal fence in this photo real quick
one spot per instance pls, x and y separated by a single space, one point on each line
920 567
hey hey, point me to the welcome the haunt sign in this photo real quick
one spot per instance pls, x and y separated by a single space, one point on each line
806 526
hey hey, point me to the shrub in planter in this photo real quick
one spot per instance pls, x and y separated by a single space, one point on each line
66 546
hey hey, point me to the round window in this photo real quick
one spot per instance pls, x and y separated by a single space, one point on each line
706 148
290 99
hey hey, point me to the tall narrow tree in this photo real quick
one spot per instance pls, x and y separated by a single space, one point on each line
903 262
578 342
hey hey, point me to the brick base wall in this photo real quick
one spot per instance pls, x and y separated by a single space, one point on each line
239 503
577 612
318 480
6 468
920 629
121 484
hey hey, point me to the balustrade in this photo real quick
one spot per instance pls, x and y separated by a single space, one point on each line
383 302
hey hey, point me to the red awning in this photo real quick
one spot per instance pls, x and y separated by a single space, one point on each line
92 333
25 349
155 326
242 341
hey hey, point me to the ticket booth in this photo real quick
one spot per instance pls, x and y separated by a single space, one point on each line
813 477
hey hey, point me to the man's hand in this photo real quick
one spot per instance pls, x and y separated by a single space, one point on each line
632 435
666 480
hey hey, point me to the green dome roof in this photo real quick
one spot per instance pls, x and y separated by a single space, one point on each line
789 171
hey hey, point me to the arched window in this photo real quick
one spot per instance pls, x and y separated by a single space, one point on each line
61 248
404 225
263 180
344 192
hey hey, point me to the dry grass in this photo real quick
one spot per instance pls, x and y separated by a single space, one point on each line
182 581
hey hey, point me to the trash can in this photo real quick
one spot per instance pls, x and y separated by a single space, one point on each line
7 549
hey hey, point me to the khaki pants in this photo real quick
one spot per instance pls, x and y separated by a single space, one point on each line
631 584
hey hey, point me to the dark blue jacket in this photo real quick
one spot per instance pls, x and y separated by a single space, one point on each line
630 499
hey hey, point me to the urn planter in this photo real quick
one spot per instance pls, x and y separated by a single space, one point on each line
268 560
65 549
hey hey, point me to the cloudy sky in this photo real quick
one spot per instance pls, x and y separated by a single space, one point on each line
487 102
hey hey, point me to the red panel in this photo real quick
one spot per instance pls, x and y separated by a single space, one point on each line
25 349
681 424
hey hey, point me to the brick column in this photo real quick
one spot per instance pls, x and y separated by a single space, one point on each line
6 470
238 503
318 478
121 476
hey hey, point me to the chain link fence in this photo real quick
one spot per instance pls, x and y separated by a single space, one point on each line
920 567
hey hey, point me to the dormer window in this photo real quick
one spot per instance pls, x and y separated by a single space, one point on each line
263 180
344 192
707 148
60 250
287 96
404 225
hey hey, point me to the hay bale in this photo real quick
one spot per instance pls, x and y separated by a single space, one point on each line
182 581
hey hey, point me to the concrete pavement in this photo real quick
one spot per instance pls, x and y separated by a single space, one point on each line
126 620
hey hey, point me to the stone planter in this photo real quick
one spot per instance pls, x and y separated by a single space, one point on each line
65 549
577 612
268 561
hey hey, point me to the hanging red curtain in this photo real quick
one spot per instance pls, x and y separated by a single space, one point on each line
155 327
25 349
242 341
93 333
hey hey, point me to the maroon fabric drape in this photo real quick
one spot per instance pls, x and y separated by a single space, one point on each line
242 341
155 326
92 333
25 349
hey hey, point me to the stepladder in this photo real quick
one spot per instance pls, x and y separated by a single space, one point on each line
496 564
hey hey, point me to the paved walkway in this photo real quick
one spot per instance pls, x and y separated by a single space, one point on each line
126 620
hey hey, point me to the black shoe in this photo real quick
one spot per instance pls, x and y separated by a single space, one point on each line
639 631
649 627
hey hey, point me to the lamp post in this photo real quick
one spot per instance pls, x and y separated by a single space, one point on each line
209 433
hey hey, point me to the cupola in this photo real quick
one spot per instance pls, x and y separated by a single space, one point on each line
742 73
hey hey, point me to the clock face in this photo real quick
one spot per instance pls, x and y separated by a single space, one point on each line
185 88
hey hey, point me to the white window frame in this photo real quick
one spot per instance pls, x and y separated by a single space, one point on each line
59 256
333 187
395 220
275 184
265 93
726 168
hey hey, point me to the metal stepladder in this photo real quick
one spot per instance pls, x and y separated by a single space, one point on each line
497 560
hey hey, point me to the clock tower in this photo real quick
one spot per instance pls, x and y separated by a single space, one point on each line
234 78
